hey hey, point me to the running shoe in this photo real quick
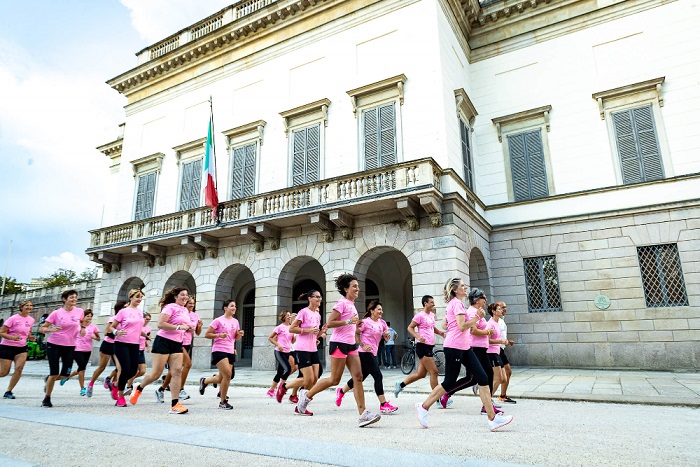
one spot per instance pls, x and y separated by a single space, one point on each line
135 396
83 391
296 411
8 395
475 389
495 410
47 402
128 390
367 418
46 379
225 405
445 401
183 395
507 400
64 381
214 384
397 389
107 384
160 395
271 392
281 391
115 393
495 402
121 402
422 415
303 401
339 394
386 407
499 421
89 390
202 385
178 409
293 399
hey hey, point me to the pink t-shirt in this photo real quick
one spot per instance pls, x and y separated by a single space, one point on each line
456 339
18 325
479 341
494 348
308 319
109 340
130 320
426 326
371 332
84 343
178 315
142 339
344 334
189 335
70 325
230 327
284 338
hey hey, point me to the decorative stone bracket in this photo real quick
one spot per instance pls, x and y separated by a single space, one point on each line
110 262
344 221
409 209
188 242
321 221
270 233
151 253
258 240
433 206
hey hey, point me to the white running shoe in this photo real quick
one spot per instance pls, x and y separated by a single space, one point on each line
422 415
367 418
475 389
397 389
160 396
183 395
303 401
499 421
495 403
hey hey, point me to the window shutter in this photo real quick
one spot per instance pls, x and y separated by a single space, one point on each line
535 161
466 155
387 135
185 186
518 167
150 194
195 183
313 153
626 147
298 156
145 192
249 171
652 168
237 173
371 139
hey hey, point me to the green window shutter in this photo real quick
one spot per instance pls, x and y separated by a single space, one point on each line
145 193
237 172
466 155
249 171
313 153
191 185
527 165
387 135
185 186
298 157
637 145
371 139
518 167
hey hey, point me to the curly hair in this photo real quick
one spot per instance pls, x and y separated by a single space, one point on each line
343 282
169 296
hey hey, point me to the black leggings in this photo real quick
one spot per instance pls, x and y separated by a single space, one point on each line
485 361
370 367
82 359
59 352
283 366
128 357
454 359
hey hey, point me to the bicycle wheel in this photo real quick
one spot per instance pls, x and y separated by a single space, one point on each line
408 361
439 357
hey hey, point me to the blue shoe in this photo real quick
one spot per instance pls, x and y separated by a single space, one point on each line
64 381
83 391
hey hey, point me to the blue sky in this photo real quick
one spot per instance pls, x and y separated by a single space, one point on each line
55 109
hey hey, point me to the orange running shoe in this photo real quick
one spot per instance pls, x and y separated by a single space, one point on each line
178 409
135 396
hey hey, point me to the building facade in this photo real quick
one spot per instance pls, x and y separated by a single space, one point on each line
545 151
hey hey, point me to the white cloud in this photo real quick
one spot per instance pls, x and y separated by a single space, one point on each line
157 19
66 260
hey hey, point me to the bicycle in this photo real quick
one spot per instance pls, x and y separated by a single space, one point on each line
408 361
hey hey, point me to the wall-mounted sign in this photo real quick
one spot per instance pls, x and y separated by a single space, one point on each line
602 302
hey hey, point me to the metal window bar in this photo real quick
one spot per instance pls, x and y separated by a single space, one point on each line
662 276
542 284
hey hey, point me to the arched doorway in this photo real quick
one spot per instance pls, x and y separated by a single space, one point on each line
237 283
129 284
478 272
181 279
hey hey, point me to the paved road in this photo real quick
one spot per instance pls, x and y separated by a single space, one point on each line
259 431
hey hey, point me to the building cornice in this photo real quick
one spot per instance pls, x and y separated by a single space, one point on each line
113 149
653 85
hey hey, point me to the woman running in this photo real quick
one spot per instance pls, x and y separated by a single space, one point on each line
423 330
83 349
224 331
480 334
504 358
282 339
62 325
143 347
373 329
13 347
343 350
173 322
494 350
106 352
128 326
458 352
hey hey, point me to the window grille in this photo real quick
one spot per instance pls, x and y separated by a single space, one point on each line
542 284
662 276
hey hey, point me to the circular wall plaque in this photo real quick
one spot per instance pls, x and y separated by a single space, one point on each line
602 302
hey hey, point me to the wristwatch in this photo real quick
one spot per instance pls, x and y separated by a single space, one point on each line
348 321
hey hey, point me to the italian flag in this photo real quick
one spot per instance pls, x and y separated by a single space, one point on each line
211 198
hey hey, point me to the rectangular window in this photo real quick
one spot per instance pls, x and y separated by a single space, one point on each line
379 136
145 194
243 174
191 185
466 155
542 284
662 276
637 145
527 165
306 155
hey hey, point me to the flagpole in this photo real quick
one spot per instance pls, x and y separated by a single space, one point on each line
212 161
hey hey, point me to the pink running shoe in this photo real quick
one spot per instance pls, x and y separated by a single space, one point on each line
444 400
306 412
339 394
386 407
281 391
271 393
495 410
115 393
121 402
107 384
294 399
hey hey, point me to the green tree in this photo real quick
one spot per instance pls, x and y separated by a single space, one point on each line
61 277
88 275
12 285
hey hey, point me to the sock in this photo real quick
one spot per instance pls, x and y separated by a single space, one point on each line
403 385
139 388
91 384
161 389
174 402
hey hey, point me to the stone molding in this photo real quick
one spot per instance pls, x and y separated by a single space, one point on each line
305 115
189 150
465 107
245 133
540 114
645 89
153 162
376 92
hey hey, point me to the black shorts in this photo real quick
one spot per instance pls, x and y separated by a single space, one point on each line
307 359
216 357
82 359
165 346
424 350
142 357
9 352
59 354
342 347
504 359
495 359
188 348
107 348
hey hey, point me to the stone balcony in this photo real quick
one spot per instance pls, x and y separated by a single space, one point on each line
410 188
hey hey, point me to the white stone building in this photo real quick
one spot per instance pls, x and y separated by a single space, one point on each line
545 151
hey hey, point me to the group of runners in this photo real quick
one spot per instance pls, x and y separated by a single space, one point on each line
470 342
